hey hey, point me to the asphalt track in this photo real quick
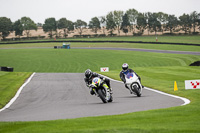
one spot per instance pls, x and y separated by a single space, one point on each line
126 49
52 96
141 50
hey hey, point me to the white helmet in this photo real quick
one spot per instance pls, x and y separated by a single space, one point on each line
125 66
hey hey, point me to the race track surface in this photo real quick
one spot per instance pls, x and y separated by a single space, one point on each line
52 96
142 50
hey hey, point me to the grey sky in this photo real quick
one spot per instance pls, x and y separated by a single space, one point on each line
39 10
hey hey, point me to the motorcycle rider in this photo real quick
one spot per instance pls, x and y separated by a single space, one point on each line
125 69
89 75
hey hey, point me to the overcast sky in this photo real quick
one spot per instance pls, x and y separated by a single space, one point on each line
39 10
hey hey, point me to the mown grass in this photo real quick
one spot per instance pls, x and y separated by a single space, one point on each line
193 39
78 60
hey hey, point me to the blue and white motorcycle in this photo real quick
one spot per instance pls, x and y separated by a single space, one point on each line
133 83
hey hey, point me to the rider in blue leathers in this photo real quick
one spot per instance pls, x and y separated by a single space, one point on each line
125 69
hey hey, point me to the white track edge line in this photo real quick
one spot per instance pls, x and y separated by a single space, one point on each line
186 101
18 93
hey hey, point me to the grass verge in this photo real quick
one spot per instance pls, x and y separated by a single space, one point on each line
78 60
191 39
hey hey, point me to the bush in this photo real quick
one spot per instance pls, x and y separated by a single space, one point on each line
183 33
76 36
195 33
102 35
112 34
95 35
137 34
169 34
85 36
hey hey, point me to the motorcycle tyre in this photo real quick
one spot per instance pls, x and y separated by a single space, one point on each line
102 96
111 99
135 89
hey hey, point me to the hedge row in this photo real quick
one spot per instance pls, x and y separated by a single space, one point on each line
24 38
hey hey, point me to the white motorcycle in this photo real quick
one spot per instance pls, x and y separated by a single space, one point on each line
133 83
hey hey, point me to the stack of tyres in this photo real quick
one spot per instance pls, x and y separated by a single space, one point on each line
8 69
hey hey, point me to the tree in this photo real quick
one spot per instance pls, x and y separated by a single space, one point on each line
185 22
132 16
94 24
172 23
147 17
110 23
199 21
141 23
28 25
5 26
66 25
162 18
18 28
153 22
79 24
118 19
125 23
103 23
50 26
194 19
39 24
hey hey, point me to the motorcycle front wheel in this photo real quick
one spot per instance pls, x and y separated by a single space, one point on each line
111 99
102 95
136 89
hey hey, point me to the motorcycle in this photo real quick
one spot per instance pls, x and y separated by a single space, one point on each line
133 83
101 90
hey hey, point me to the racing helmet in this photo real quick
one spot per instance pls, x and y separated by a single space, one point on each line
125 67
88 73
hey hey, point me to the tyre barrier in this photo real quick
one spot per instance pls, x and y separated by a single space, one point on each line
196 63
7 69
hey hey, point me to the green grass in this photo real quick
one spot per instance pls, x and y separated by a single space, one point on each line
9 84
78 60
194 39
173 39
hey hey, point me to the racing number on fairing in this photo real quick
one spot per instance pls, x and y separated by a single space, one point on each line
95 80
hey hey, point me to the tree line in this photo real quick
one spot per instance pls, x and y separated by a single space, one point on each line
129 21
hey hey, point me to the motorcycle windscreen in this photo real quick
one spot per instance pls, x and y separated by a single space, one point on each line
129 75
